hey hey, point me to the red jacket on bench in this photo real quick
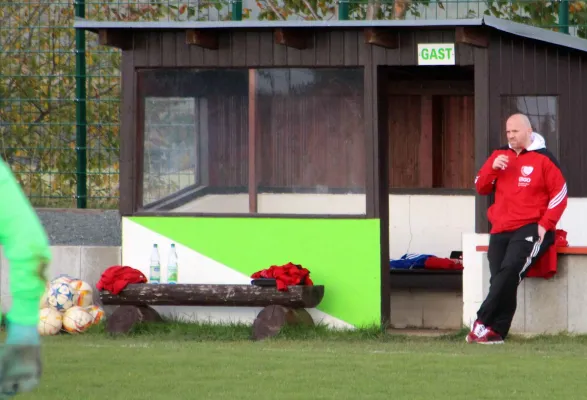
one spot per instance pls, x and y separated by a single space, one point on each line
546 266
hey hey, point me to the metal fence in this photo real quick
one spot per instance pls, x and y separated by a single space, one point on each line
59 90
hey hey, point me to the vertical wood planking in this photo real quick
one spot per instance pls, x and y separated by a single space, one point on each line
484 101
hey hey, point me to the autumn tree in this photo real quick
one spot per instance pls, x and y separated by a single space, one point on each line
537 13
37 94
540 13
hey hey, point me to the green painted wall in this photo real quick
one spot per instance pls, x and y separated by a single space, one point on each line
342 255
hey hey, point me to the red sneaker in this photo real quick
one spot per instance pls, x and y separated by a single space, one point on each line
477 331
489 337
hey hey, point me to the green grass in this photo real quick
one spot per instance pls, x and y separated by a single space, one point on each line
188 361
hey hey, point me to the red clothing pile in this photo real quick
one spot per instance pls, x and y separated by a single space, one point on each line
115 278
433 262
286 275
545 266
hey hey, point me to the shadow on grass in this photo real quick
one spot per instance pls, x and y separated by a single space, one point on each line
177 329
173 329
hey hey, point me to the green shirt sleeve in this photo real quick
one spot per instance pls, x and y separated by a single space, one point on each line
26 247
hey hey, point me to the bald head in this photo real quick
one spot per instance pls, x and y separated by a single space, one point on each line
519 132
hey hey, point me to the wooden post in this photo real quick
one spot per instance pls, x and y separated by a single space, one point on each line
253 141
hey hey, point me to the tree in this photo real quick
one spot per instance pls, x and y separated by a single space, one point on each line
538 13
37 95
37 106
327 9
543 14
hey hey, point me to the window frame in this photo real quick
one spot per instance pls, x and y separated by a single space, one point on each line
138 153
557 98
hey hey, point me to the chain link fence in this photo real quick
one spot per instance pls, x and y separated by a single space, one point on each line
41 112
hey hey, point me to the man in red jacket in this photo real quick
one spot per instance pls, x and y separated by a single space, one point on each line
530 198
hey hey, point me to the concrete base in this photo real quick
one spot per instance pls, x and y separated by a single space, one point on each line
418 309
557 305
84 262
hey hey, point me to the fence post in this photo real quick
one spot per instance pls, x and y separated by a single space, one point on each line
343 10
237 10
563 16
80 108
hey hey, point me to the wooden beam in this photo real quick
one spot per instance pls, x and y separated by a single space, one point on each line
200 38
474 36
138 294
425 148
297 39
118 38
381 37
253 148
430 87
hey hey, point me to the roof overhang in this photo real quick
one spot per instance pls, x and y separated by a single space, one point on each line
515 28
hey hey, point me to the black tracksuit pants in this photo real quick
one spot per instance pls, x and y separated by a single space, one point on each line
510 255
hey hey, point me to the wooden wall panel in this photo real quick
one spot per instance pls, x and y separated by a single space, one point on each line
458 142
250 48
404 126
306 142
228 141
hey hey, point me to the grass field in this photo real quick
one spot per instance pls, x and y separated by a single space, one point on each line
206 362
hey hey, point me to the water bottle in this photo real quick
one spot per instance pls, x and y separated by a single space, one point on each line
172 266
155 269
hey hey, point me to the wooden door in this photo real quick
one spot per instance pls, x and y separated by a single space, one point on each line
431 141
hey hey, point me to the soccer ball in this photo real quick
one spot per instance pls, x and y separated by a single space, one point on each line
60 297
63 278
50 322
76 320
96 312
82 293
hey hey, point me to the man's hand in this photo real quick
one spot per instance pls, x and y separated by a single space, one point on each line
20 361
500 162
541 232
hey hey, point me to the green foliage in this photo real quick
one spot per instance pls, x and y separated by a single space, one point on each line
540 13
37 106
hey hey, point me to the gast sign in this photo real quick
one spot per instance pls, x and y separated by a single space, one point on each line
436 54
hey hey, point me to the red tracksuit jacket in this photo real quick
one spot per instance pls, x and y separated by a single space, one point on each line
531 189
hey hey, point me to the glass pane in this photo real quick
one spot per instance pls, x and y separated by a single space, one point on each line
169 147
310 141
542 112
195 140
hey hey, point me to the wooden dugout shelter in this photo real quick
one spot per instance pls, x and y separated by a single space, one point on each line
391 110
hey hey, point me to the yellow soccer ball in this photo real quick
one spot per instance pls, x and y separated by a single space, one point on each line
97 313
76 320
82 293
50 322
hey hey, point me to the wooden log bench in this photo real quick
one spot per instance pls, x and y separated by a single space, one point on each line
280 307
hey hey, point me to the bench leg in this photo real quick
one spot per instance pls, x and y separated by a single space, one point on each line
124 318
272 318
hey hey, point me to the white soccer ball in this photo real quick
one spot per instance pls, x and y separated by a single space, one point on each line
82 293
76 320
96 312
60 297
50 322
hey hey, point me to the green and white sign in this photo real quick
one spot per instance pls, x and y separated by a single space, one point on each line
436 54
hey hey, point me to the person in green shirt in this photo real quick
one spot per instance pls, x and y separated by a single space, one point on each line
26 247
